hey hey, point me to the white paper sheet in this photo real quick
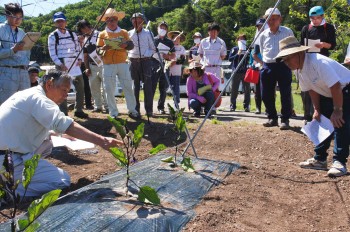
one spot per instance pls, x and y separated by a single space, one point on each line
163 49
311 43
316 131
96 58
75 70
72 144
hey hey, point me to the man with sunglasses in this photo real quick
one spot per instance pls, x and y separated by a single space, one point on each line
113 44
13 59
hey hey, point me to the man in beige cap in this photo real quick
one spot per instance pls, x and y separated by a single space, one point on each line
327 82
113 44
273 72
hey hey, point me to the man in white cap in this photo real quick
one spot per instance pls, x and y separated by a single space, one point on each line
273 72
197 37
327 82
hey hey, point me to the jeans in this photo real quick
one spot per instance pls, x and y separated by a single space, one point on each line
257 96
341 135
110 73
270 75
196 105
234 91
175 86
96 85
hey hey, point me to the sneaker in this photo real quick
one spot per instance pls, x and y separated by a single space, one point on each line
134 116
285 125
246 110
314 164
89 107
81 114
232 109
196 114
271 123
96 110
337 169
161 111
213 112
257 112
106 111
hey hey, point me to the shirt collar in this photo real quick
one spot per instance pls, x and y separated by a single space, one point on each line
115 31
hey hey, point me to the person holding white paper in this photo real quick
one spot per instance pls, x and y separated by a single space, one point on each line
320 37
64 48
328 84
14 60
26 119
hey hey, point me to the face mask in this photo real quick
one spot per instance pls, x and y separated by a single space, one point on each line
161 32
197 40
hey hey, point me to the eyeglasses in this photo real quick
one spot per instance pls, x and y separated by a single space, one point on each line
109 20
15 17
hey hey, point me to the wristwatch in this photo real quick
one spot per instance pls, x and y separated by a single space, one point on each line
338 108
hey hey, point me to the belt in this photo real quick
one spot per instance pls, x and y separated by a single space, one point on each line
92 63
140 59
214 65
17 66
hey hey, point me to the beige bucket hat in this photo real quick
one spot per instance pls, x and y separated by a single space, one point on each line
289 46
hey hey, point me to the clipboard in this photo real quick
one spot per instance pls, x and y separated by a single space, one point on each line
30 39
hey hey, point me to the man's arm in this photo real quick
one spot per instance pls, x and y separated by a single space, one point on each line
77 131
337 96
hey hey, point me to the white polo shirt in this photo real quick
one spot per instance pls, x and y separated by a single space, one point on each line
212 50
26 119
319 73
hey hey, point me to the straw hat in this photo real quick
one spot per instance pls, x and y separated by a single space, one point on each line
173 34
289 46
111 13
194 65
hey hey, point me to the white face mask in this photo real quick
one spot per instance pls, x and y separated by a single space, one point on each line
161 32
197 40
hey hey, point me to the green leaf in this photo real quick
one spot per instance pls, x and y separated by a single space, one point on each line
180 122
172 112
29 170
119 126
186 164
32 227
169 159
2 192
119 154
22 223
148 195
37 207
157 149
138 134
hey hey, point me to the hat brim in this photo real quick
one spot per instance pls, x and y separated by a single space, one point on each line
172 35
119 15
290 51
59 19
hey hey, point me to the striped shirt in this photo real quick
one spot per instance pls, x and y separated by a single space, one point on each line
8 38
66 48
269 43
146 46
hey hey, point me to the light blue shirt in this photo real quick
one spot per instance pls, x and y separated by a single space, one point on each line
212 50
146 46
8 38
269 43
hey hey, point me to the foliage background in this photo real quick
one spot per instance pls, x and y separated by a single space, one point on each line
234 17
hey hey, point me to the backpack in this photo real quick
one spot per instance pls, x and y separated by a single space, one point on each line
57 38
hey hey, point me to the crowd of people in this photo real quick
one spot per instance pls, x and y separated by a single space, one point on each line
138 59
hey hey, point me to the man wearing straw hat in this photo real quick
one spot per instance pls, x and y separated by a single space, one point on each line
273 72
327 82
113 44
142 63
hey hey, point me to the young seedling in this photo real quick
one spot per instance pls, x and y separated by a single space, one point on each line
126 155
180 125
8 194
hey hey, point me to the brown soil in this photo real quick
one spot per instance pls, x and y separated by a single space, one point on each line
268 193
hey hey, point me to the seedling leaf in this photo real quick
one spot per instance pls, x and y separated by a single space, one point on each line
32 227
172 112
29 170
180 122
187 164
138 134
119 154
119 126
169 159
22 223
148 195
157 149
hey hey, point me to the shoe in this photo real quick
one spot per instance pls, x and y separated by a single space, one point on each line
161 111
257 112
313 164
337 169
293 115
232 109
150 115
246 110
197 115
271 123
213 112
106 111
285 125
89 107
134 116
96 110
81 114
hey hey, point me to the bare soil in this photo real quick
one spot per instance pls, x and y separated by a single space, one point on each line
269 192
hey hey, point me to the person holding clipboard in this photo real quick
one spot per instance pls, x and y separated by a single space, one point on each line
14 59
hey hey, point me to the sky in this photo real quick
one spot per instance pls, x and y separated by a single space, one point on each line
35 7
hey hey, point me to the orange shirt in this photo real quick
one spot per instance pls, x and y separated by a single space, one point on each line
113 56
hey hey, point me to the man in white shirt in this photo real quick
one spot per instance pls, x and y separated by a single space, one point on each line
327 82
142 64
64 48
36 109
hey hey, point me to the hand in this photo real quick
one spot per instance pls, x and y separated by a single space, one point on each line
319 45
123 45
337 118
18 47
317 115
87 72
63 68
109 142
347 60
166 56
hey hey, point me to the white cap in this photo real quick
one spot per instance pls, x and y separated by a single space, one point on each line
275 12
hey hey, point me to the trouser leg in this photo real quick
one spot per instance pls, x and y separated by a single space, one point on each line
128 86
268 84
110 82
79 88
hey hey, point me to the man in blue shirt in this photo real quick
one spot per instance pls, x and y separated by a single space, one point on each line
13 59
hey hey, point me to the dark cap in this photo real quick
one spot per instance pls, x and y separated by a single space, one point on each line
163 23
260 22
138 15
33 70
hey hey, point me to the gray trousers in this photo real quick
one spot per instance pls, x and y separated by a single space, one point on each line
234 92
